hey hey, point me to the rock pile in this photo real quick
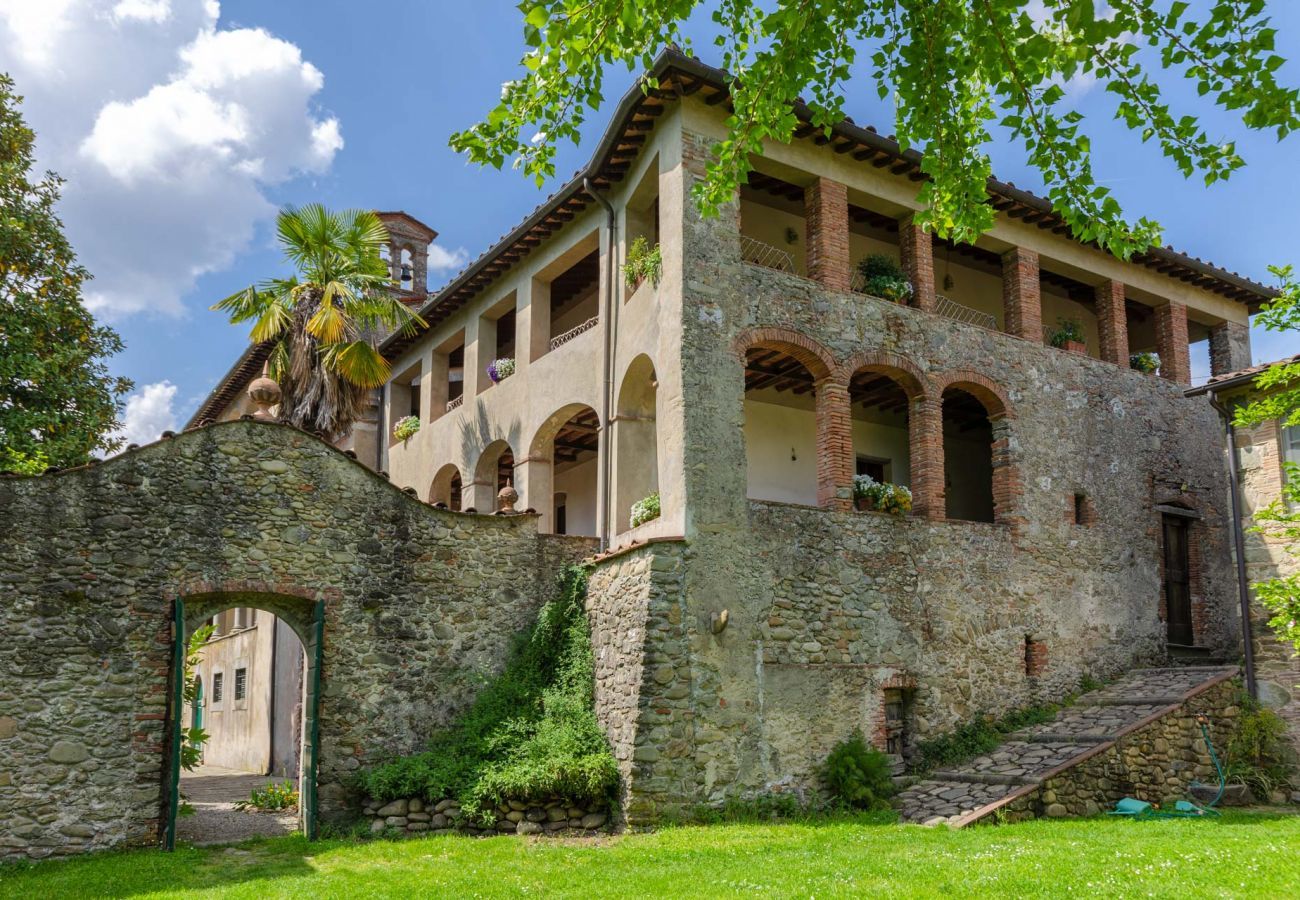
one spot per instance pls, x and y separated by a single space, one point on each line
547 816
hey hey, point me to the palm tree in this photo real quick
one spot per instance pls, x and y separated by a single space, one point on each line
325 323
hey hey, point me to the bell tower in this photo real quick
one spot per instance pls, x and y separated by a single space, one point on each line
408 252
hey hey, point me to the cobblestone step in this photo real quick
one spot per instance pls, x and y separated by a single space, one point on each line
950 796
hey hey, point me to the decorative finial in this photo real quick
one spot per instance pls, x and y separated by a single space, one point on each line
507 497
264 393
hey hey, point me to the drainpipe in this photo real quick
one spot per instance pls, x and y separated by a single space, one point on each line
275 647
607 361
381 429
1239 544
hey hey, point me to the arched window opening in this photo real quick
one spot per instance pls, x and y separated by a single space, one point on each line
967 457
505 469
406 272
636 441
495 469
780 427
559 478
446 488
881 422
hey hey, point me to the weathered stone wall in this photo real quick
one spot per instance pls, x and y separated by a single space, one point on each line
826 607
1156 762
420 605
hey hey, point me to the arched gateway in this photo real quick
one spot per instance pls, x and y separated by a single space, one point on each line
107 568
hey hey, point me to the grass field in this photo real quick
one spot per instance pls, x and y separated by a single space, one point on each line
1242 854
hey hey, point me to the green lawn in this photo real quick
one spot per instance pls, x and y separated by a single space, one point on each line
1243 854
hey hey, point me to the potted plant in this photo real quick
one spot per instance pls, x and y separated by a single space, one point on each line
882 496
406 427
1146 362
645 509
643 262
500 369
882 277
1069 336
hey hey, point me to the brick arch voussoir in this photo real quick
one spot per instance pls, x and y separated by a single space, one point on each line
819 361
899 369
984 389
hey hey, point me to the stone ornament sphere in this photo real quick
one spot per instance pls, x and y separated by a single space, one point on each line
265 393
507 497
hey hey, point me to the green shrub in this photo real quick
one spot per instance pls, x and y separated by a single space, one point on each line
644 263
979 736
1067 330
881 276
645 509
858 776
1256 752
531 732
271 797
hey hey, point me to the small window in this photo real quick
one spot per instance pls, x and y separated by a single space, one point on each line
1291 444
218 685
873 468
241 684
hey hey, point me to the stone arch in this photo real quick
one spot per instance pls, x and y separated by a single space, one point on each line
635 439
984 389
448 487
897 368
495 467
819 361
563 462
888 422
992 480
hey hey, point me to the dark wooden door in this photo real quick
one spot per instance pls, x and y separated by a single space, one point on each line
1178 594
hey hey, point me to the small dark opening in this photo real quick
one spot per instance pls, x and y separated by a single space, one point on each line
1029 655
1080 509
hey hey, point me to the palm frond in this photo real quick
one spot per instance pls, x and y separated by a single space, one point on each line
273 322
327 323
358 362
242 305
277 364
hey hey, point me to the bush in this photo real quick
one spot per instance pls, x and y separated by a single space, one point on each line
531 733
1067 330
644 263
979 736
882 277
271 797
1147 363
858 776
645 509
1256 752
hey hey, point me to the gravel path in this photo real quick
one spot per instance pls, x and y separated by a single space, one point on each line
213 791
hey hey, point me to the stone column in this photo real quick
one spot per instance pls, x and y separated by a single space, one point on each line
434 387
834 446
826 209
1112 322
1007 485
925 442
481 495
533 321
916 250
1171 342
1021 302
534 480
480 348
1229 348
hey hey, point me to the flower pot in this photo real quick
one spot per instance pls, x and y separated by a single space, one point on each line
864 504
1074 347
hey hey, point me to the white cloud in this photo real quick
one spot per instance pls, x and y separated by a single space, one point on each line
169 131
149 412
443 260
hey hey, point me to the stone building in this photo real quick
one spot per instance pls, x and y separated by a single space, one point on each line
1262 453
1070 512
1068 515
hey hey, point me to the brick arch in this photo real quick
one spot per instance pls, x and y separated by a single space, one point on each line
898 368
819 361
984 389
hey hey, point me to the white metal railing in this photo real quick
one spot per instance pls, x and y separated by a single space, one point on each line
945 306
561 340
455 404
765 255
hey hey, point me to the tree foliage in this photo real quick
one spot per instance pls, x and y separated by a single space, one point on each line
952 68
326 322
58 404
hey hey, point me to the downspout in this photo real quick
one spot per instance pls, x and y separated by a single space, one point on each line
1239 545
275 648
607 315
381 429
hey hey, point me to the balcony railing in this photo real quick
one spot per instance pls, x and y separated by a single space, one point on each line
455 403
765 255
561 340
956 311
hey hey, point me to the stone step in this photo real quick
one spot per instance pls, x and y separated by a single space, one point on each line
982 778
936 802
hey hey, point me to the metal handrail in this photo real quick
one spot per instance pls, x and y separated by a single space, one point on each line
945 306
455 404
765 255
561 340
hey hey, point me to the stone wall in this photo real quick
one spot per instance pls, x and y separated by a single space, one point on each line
1155 761
420 606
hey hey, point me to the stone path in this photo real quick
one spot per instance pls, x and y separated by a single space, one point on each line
213 792
951 796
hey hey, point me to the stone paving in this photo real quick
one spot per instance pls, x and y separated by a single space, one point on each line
1096 718
213 792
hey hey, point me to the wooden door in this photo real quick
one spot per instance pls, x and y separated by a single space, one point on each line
1178 594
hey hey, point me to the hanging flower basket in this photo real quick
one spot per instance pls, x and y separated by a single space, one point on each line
501 369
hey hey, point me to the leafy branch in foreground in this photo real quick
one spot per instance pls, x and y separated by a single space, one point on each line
952 68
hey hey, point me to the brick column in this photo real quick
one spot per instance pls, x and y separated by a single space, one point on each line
834 446
1171 342
925 441
916 249
1229 348
1112 322
1021 302
826 209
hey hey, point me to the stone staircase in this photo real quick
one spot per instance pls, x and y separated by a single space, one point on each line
1021 766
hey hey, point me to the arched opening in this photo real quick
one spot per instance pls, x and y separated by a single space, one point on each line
446 488
560 476
636 441
245 686
780 426
881 422
495 469
967 456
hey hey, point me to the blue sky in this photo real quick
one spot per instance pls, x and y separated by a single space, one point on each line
351 104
